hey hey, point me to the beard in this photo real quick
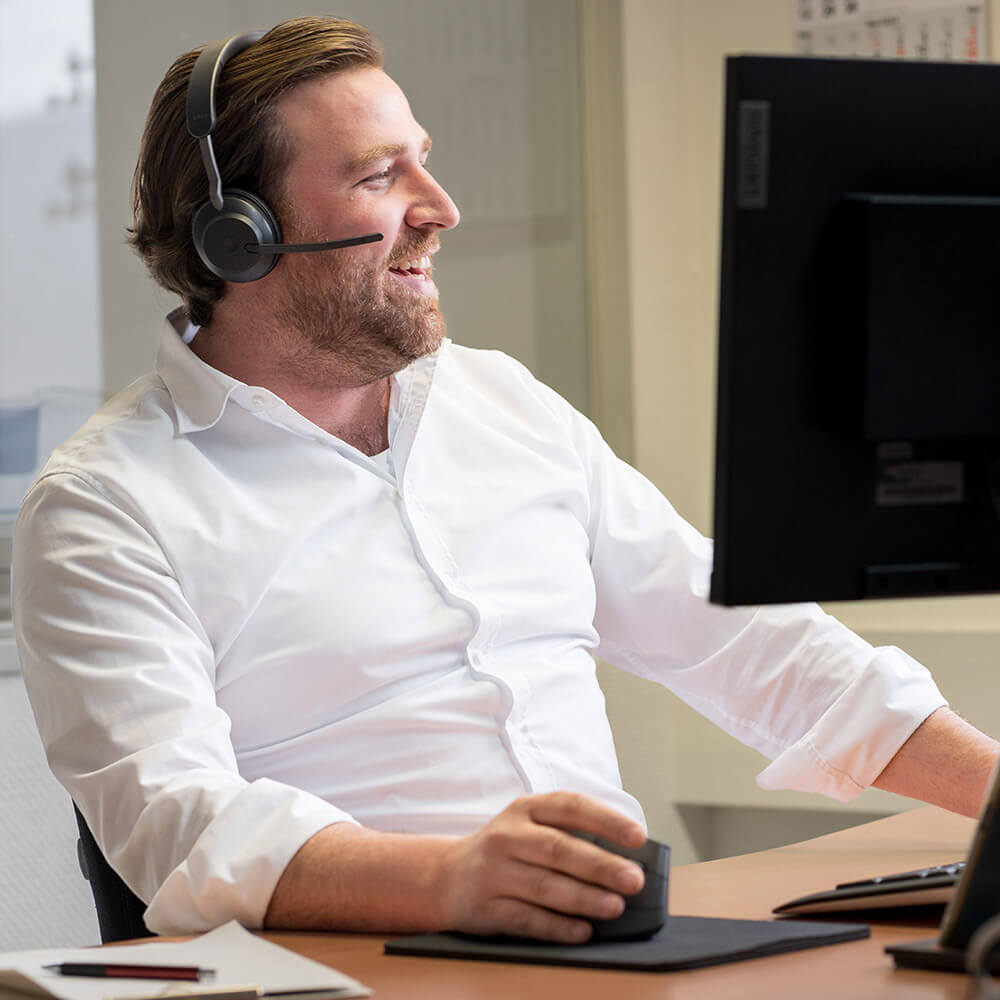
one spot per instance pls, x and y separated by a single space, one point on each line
353 310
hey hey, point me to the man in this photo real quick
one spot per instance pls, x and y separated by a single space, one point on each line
307 617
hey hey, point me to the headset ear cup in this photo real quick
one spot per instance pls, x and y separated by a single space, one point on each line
221 235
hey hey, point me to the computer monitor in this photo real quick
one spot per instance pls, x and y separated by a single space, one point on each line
858 412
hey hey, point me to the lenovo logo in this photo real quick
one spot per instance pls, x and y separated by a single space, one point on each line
754 149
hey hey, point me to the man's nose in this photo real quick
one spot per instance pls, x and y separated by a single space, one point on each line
433 207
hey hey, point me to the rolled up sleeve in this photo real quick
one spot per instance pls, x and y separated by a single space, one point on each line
121 678
829 709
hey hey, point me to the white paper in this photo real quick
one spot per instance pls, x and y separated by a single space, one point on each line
241 960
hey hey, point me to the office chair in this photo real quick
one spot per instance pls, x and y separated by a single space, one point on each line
119 909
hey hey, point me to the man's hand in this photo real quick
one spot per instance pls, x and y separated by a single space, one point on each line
524 874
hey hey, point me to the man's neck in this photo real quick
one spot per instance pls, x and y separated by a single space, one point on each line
358 415
347 405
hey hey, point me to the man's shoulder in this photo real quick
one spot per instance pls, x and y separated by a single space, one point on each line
132 427
488 360
488 371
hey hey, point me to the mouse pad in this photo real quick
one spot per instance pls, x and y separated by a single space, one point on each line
682 943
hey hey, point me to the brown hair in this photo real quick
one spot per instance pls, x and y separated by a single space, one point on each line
251 148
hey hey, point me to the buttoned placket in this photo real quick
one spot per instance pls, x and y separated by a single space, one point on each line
408 397
439 563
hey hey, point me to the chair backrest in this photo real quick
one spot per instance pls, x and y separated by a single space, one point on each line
119 909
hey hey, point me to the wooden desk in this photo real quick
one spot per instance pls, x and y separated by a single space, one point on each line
746 886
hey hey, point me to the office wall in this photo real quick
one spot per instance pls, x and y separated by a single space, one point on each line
672 59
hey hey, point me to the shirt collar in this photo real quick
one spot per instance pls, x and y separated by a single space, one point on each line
199 391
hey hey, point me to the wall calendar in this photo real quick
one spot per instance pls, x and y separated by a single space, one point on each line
882 29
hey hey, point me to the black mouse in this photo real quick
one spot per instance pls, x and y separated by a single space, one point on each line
645 911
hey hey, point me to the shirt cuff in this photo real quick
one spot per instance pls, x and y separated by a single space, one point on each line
235 864
853 741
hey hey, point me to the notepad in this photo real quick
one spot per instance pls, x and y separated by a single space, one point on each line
246 967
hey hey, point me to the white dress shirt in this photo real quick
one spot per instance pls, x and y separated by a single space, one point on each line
236 629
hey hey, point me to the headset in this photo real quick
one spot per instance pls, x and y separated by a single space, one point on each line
236 234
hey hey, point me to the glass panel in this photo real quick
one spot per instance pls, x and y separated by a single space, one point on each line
50 356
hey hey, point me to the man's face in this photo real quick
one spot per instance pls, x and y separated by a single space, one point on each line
358 166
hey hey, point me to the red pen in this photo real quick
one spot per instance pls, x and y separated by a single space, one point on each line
110 970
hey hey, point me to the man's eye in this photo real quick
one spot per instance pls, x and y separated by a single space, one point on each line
380 178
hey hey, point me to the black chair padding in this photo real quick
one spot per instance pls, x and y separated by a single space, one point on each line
119 909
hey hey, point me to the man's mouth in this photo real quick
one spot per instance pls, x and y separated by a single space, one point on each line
418 267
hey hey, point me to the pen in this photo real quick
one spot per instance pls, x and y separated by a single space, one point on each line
104 970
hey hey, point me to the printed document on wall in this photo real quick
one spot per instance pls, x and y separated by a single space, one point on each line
892 29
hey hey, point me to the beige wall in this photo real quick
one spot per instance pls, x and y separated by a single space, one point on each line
672 55
673 64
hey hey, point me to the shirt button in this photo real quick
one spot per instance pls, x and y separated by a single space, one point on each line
259 401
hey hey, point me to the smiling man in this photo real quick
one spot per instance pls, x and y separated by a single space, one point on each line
339 321
308 616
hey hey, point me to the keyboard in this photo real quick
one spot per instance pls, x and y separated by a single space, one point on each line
922 887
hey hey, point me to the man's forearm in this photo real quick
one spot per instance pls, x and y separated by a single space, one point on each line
946 762
522 873
351 878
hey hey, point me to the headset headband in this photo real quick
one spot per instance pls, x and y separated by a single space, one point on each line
235 233
201 101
